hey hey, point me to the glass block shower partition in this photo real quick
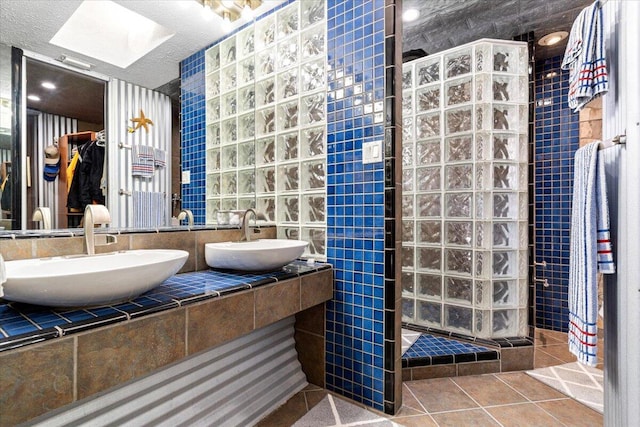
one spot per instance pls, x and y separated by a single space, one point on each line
464 255
266 123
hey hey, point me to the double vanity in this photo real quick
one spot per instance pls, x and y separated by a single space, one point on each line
55 356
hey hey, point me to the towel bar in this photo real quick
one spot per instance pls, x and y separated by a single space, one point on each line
545 282
616 140
123 145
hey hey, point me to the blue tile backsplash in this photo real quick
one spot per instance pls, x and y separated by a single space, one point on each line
360 319
556 141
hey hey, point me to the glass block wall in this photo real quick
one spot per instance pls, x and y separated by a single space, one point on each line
266 123
465 204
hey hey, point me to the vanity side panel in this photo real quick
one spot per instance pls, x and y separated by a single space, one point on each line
310 343
316 288
275 302
220 320
35 380
113 355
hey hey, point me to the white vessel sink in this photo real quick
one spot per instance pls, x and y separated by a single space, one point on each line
86 280
256 255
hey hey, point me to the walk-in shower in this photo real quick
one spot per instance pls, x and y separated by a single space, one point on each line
465 202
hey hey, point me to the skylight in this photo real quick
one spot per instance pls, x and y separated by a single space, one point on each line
111 33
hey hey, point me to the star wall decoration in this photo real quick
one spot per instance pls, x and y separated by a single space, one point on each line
139 122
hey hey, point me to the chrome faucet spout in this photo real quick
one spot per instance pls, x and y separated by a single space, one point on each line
186 213
246 233
94 215
43 214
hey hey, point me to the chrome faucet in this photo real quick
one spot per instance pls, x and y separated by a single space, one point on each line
186 213
43 214
246 233
94 215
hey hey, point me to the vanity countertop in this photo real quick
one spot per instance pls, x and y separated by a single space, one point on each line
24 324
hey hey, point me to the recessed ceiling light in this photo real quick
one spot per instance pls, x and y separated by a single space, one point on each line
48 85
553 38
410 15
33 98
111 33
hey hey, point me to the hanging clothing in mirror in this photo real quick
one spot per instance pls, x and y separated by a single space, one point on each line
86 174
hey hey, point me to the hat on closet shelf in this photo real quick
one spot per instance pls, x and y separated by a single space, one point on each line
51 163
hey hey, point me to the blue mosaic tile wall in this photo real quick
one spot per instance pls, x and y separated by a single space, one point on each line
193 134
361 319
556 141
355 327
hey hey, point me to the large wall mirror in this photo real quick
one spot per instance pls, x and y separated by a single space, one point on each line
186 31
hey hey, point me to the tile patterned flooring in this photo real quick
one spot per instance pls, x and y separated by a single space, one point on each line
504 399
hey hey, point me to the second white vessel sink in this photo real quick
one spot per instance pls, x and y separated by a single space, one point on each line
255 255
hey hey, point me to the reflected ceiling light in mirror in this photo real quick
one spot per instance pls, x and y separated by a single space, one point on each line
48 85
226 21
233 8
65 59
247 11
33 98
410 15
553 38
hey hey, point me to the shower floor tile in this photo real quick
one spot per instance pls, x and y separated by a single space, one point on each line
433 350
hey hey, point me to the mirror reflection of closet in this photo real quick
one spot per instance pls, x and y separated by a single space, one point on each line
69 109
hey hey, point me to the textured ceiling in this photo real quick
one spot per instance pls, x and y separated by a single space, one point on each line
444 24
30 25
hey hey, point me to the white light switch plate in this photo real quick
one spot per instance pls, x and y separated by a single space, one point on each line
186 177
371 152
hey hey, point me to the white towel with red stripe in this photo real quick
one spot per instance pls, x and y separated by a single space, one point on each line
585 58
590 251
142 161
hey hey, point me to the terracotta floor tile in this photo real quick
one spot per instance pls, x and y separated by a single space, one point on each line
312 387
572 413
286 415
522 415
531 388
415 421
559 351
488 390
409 400
314 397
544 360
469 418
440 394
